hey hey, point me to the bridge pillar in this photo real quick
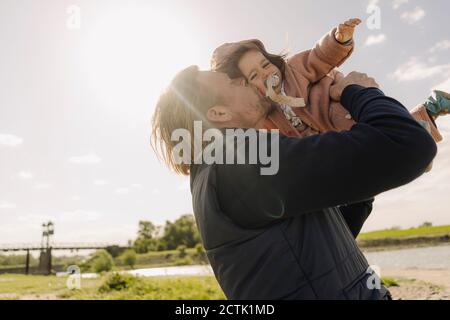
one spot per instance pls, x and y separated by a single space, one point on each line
45 262
27 263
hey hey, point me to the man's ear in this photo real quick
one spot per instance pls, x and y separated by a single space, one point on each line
219 114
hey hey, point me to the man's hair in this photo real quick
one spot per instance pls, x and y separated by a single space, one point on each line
183 102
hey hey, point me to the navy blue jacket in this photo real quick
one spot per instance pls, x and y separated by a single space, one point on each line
282 236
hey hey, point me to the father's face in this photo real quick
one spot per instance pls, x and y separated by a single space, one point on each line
244 106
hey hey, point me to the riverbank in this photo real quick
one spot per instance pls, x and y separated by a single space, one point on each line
110 287
404 238
421 273
407 284
393 243
419 284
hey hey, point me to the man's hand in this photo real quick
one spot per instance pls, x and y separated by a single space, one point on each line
344 31
354 77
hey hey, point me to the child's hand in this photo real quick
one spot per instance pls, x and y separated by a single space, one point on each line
345 30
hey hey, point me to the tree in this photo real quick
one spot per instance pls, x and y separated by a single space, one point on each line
200 250
426 224
146 230
182 251
182 231
129 258
145 241
142 245
100 261
201 253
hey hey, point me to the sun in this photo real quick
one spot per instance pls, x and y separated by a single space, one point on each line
130 51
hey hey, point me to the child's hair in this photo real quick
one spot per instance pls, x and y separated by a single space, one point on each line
230 64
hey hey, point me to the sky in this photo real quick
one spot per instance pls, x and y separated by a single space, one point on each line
79 81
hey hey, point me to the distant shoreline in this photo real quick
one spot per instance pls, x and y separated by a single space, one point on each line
392 243
392 239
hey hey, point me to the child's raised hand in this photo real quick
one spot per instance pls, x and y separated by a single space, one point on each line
344 31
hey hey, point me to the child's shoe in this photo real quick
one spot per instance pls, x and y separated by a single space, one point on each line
438 103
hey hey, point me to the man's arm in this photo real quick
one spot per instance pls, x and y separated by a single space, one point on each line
356 214
386 149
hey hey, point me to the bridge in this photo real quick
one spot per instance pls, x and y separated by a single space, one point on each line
56 246
45 257
47 246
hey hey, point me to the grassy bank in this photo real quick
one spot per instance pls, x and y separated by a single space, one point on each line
403 233
115 287
413 237
110 286
167 258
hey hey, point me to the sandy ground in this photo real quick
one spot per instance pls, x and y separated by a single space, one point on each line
420 284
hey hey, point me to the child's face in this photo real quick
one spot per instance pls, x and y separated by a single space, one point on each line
256 69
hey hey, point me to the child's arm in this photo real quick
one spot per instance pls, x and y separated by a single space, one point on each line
330 52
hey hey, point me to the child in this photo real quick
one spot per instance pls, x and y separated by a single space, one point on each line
308 104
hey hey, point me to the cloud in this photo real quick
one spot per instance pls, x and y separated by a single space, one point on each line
36 219
414 69
373 3
136 185
25 175
10 140
79 216
100 182
443 86
110 234
42 186
421 200
374 40
440 46
398 3
7 205
122 191
414 16
185 185
86 159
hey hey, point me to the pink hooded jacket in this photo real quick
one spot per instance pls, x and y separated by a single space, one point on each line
310 75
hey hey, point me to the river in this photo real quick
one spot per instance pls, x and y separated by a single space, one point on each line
421 258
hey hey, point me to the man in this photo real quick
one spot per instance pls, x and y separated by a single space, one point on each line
281 236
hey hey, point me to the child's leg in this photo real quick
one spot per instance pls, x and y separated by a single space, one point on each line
425 119
437 104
